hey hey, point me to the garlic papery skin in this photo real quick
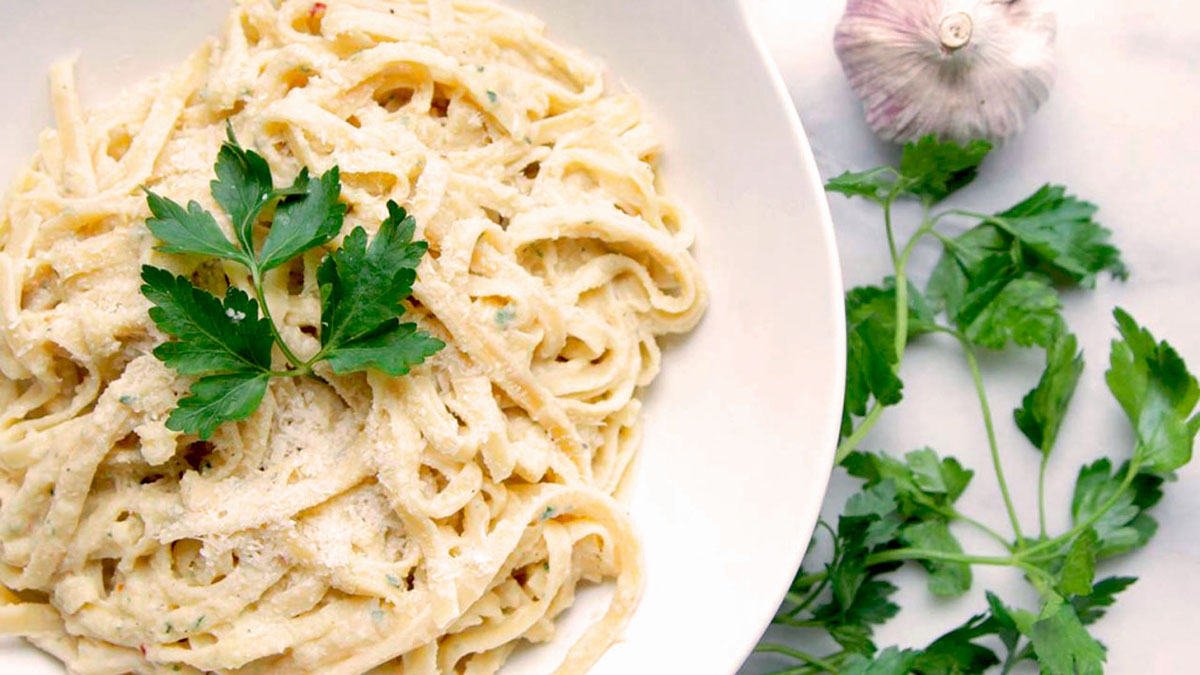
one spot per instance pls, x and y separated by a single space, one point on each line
960 69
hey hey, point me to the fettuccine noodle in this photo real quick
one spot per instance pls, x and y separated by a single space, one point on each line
421 524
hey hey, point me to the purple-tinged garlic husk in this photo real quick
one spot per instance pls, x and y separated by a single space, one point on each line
960 69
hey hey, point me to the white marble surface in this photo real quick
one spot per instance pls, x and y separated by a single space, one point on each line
1121 130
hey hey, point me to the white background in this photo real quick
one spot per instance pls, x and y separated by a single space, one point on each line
1121 130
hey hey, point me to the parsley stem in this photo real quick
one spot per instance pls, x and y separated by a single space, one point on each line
977 376
902 289
815 577
987 218
256 277
798 623
937 218
901 554
798 670
1042 493
946 241
851 442
316 357
789 618
1070 534
891 234
770 648
901 263
821 580
957 515
904 554
809 579
1014 657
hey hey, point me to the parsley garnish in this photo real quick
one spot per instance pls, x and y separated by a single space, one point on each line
225 343
998 284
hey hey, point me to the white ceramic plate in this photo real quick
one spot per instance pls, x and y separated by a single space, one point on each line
742 424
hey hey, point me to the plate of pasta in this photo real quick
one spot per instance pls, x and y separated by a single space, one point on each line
405 336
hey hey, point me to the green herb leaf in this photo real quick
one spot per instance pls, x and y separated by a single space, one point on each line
929 169
1002 306
227 343
934 170
212 337
393 348
1043 409
955 653
310 217
922 491
1091 607
188 231
1025 312
1008 625
217 399
1154 387
945 578
361 287
961 260
876 501
1059 230
890 661
1124 525
871 603
875 185
243 187
1079 566
859 599
871 353
849 623
924 486
870 344
1062 644
877 505
1049 233
361 292
928 473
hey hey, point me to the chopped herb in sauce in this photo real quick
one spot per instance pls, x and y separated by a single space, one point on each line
505 315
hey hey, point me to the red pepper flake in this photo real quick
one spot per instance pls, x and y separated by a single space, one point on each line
142 649
318 10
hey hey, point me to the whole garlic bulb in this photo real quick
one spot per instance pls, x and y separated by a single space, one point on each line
961 69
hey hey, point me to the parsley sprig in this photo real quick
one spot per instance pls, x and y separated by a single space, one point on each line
224 343
997 285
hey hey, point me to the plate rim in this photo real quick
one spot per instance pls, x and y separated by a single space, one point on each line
826 451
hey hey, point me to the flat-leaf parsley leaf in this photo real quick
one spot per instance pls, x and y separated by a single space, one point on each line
226 344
